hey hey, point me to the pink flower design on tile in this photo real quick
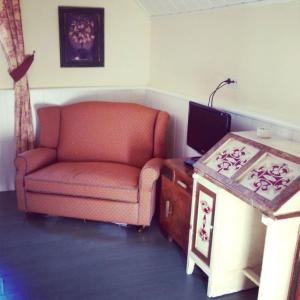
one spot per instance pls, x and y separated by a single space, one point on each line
231 159
206 210
274 177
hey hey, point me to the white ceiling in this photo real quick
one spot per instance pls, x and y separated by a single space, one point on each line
172 7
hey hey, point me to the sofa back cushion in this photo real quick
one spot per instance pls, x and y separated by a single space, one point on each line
49 123
107 131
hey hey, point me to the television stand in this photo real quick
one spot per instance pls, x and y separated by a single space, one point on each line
191 160
175 201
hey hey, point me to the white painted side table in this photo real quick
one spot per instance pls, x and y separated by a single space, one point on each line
246 214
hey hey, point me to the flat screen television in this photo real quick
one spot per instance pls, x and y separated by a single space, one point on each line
206 126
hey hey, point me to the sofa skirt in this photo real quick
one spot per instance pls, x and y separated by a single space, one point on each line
83 208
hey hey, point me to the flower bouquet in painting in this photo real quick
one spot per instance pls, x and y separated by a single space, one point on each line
81 36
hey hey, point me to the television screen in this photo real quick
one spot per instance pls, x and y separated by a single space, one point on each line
206 126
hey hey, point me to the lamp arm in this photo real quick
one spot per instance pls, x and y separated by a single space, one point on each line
211 97
220 85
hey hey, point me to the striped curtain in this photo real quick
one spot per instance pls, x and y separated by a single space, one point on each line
12 42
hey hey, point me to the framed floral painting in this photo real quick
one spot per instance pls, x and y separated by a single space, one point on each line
81 33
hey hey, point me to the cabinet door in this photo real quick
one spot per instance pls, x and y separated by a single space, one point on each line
175 207
166 204
203 222
180 218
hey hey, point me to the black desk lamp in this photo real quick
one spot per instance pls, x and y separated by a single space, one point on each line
221 84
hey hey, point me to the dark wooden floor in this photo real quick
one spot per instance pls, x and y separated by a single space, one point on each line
58 258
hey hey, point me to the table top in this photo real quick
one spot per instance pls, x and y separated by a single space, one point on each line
255 171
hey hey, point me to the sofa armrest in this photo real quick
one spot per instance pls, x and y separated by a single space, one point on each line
147 190
150 173
28 162
34 159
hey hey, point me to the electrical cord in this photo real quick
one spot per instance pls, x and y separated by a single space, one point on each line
214 91
220 85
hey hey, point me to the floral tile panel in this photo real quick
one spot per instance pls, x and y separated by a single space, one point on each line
270 175
204 222
230 157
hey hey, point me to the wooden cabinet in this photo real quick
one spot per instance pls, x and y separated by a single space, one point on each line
175 201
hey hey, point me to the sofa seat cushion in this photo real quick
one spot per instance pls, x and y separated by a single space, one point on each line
102 180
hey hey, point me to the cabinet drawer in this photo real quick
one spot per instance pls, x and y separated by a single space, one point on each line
183 183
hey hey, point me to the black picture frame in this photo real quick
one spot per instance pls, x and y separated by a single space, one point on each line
81 36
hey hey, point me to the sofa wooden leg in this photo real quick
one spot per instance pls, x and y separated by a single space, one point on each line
141 228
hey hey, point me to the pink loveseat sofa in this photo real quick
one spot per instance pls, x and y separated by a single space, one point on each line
95 160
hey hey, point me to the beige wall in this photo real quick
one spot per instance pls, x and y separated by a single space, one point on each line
127 46
257 45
